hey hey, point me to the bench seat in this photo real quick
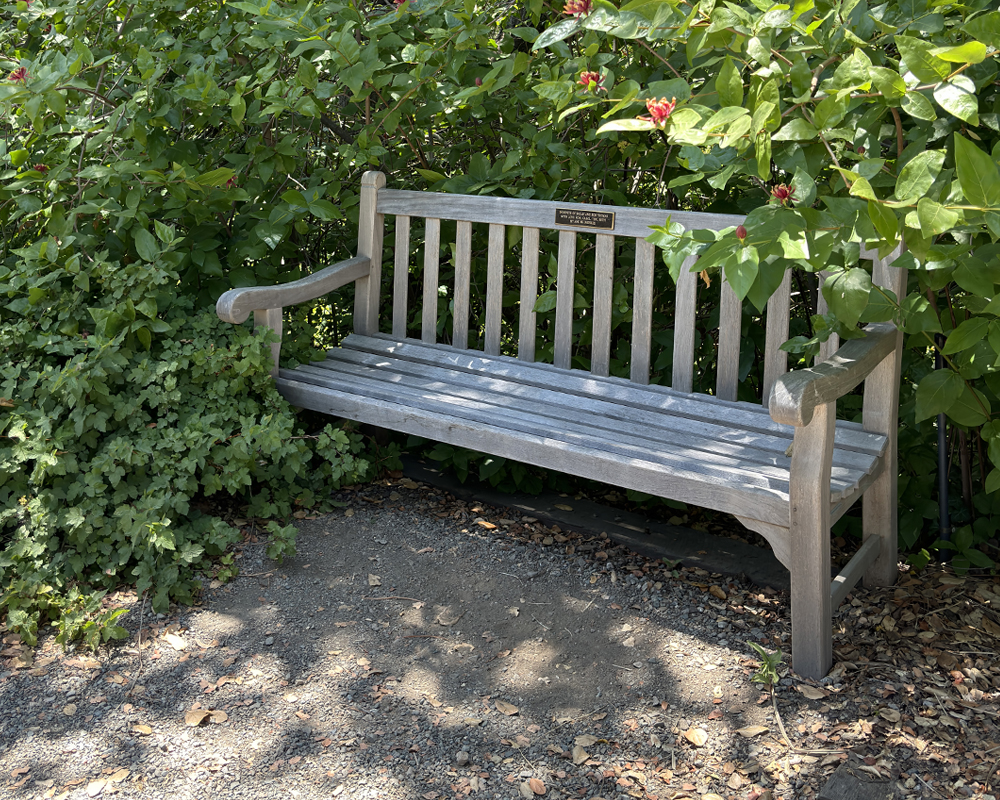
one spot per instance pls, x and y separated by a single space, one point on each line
724 455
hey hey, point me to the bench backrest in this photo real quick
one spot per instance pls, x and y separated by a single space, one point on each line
570 220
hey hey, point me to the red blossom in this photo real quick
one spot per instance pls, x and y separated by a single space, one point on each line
399 2
592 81
741 233
578 8
479 81
43 168
783 194
231 183
19 75
660 110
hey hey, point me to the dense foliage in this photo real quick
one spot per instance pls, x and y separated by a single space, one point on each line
158 153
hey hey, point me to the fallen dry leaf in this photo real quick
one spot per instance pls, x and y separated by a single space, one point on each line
697 736
20 771
302 715
579 755
143 730
218 717
717 591
175 641
563 507
752 730
194 718
119 776
94 788
889 714
506 708
811 692
586 740
447 617
536 785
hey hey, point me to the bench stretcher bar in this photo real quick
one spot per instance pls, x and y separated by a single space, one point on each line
854 570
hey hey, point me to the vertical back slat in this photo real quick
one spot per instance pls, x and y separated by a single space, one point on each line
604 267
432 246
529 293
463 271
730 331
565 288
642 311
401 276
494 289
685 307
776 359
369 244
829 347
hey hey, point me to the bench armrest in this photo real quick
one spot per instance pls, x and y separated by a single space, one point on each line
236 304
796 395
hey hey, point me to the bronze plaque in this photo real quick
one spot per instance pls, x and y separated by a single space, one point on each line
576 218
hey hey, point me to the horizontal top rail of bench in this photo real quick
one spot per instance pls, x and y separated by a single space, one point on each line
515 211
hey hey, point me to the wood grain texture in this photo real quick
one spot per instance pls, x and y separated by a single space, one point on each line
854 570
642 311
401 276
432 249
604 268
686 305
880 414
797 393
527 323
237 304
565 291
270 318
730 331
463 276
370 227
590 462
633 222
776 536
749 416
809 508
776 334
494 289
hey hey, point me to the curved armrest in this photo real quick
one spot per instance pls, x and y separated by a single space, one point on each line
236 304
797 394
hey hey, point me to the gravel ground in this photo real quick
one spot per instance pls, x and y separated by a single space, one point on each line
422 647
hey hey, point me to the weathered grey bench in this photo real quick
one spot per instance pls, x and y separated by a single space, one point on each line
707 450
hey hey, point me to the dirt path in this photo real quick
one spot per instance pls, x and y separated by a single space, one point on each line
422 647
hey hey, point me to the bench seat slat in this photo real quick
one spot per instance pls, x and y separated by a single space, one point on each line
747 416
723 468
592 462
656 426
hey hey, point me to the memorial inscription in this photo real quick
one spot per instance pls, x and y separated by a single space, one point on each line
601 220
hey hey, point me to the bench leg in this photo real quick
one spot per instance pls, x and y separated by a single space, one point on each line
879 516
812 627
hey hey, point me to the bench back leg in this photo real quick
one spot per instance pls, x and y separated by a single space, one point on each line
270 318
812 627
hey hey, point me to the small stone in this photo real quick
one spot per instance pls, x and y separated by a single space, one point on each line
461 758
269 640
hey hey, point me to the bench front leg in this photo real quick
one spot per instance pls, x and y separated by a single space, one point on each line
812 626
270 318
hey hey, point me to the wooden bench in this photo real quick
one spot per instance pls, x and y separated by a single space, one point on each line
708 450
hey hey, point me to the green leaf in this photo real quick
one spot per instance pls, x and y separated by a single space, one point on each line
977 174
967 334
847 294
920 60
145 245
165 233
18 157
985 28
968 53
558 32
545 302
796 130
724 116
884 220
937 392
741 270
971 408
627 125
919 107
934 218
919 175
729 84
215 177
888 82
958 97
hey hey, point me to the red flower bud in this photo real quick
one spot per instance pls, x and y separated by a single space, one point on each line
741 233
479 81
783 194
578 8
43 168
